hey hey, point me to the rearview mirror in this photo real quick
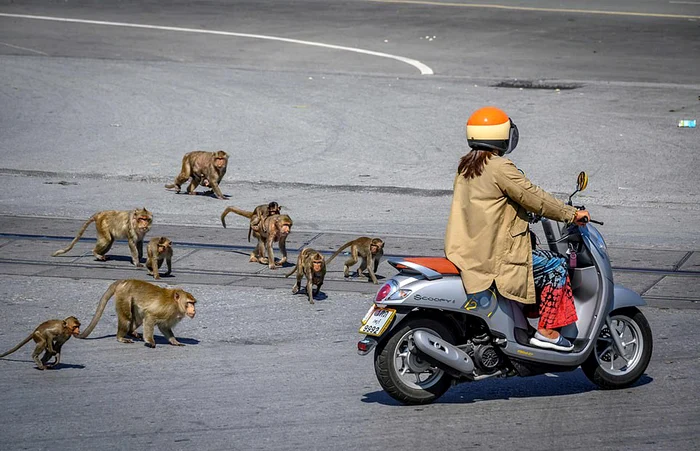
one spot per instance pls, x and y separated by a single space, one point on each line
581 181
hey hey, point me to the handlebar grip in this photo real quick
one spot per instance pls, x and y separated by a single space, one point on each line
585 220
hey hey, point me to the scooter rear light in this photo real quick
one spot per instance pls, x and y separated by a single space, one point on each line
386 290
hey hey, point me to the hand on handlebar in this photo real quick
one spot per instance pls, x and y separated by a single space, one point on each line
582 217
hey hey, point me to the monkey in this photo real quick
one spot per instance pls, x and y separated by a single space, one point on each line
207 168
50 336
367 249
111 225
274 228
256 216
311 264
159 249
140 302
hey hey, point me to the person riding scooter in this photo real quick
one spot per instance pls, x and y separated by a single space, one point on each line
487 234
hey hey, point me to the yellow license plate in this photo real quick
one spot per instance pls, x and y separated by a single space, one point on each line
377 320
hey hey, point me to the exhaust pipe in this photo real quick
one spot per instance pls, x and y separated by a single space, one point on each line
444 352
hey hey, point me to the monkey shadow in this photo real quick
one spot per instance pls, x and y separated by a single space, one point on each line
208 194
159 339
319 296
66 366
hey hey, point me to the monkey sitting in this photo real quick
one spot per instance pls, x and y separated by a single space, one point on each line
257 216
365 248
159 249
140 302
111 225
312 265
50 336
207 168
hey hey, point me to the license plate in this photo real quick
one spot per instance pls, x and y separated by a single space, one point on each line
376 320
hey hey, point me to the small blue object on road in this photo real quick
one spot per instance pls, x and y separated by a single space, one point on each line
687 123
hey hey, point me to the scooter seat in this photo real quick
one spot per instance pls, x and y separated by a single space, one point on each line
437 264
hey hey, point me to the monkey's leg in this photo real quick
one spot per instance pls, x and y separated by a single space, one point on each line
155 264
170 266
283 251
371 269
123 328
349 262
148 326
103 245
168 333
309 289
193 185
40 347
295 288
136 253
270 254
215 187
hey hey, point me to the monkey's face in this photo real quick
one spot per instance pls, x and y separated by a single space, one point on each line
285 229
190 310
220 159
317 266
273 211
376 246
73 325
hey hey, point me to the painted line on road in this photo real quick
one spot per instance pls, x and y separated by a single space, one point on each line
424 70
686 3
24 48
530 8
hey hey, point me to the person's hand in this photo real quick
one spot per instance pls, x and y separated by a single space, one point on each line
582 217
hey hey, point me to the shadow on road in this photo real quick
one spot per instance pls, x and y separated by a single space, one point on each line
560 384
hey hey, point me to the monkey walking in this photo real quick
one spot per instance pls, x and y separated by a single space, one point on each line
111 225
206 168
257 216
140 302
159 248
272 229
365 248
50 336
311 264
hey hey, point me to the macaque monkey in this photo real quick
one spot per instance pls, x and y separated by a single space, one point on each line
140 302
112 225
206 168
159 249
257 216
312 265
274 228
367 249
50 336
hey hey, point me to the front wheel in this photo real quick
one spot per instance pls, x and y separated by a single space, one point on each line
610 367
403 374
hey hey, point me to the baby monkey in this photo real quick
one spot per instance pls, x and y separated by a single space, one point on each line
312 265
159 248
50 336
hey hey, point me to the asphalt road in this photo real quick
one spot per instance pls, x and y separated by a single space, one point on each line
329 108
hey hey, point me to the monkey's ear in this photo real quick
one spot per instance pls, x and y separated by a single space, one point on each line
176 295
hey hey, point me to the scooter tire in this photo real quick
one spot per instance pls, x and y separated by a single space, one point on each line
385 357
610 380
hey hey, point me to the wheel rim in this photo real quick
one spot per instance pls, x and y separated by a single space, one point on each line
609 359
411 370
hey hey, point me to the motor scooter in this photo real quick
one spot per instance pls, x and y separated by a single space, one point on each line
428 334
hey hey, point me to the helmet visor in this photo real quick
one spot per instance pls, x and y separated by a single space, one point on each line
512 138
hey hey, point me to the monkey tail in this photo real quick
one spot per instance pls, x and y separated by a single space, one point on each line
100 309
77 237
338 252
293 271
246 214
22 343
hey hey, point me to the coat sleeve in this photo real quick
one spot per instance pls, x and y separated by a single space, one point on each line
517 187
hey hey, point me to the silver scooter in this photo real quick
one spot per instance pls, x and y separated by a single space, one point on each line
428 334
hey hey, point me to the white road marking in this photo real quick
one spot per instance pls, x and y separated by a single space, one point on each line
424 70
686 3
24 48
528 8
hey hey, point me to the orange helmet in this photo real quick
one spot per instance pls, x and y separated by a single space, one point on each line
489 128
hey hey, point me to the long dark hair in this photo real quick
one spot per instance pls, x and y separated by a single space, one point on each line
472 164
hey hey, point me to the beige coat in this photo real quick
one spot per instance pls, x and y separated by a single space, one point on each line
487 232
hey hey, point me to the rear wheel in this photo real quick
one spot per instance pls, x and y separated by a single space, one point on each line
403 374
610 367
